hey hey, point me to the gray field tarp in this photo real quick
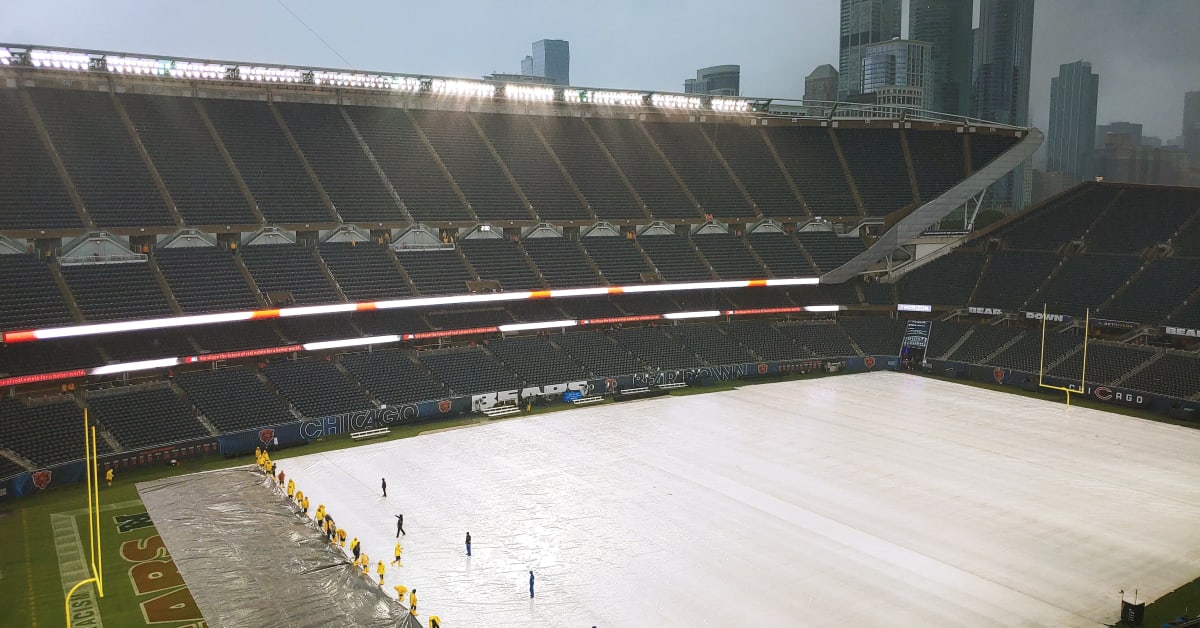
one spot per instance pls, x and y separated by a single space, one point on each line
250 560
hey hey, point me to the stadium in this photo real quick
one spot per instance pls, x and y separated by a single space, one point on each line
201 259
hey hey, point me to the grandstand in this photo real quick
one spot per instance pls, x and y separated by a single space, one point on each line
192 265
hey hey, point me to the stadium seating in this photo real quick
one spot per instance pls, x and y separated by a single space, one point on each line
501 260
809 157
1026 353
233 399
711 344
693 158
144 346
825 339
1187 242
943 335
205 279
423 187
983 341
477 173
593 173
364 271
9 468
288 268
1011 277
617 258
764 339
644 168
116 291
341 165
562 262
249 335
536 361
750 159
654 347
674 258
267 163
392 378
311 329
1142 217
41 357
32 195
1173 374
469 370
436 271
873 334
781 254
94 144
878 293
590 308
28 294
985 148
187 159
1189 316
379 322
828 251
948 280
316 387
1085 281
598 353
1157 291
533 167
1106 362
1059 221
729 256
45 433
144 416
465 319
876 160
938 162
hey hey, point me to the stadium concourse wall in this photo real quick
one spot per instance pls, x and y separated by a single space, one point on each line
302 432
1170 406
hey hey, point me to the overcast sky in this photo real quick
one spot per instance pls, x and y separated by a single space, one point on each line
1146 51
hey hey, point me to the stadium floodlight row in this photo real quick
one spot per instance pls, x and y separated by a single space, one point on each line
73 331
160 363
103 62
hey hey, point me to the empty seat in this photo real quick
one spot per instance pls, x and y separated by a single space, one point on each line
146 416
711 344
1011 277
288 268
729 256
316 387
938 161
618 259
825 339
537 361
948 280
364 271
469 370
205 279
876 160
674 258
983 341
644 168
45 433
781 254
501 260
532 166
694 160
234 399
654 347
873 334
751 160
828 250
589 166
435 271
562 262
809 157
393 378
32 195
116 291
599 354
30 297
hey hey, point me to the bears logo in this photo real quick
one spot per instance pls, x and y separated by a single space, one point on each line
762 368
869 362
444 406
266 435
41 479
610 386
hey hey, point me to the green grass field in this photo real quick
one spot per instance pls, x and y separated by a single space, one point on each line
47 535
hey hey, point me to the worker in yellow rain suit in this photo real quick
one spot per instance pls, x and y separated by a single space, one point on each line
341 537
291 489
412 602
355 549
108 475
304 505
397 561
380 569
400 591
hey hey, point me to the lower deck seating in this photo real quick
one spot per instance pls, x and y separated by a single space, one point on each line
45 433
107 292
436 271
825 339
874 335
982 342
29 295
674 258
829 250
289 268
712 345
501 260
766 340
652 346
599 354
1026 354
234 399
316 387
469 371
943 335
146 416
617 258
1174 375
1106 362
392 378
537 361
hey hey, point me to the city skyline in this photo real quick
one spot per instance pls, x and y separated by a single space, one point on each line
1144 48
1071 138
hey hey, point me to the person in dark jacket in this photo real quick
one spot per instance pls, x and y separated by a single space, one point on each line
400 525
531 585
468 543
384 485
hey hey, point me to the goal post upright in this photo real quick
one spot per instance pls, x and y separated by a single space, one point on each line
91 470
1083 371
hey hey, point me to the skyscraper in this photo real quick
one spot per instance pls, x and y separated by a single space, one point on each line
551 59
946 26
1072 133
1001 80
896 73
863 22
1133 130
822 84
718 80
1191 125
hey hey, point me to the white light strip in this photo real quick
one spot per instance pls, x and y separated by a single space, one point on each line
350 342
528 92
579 292
699 285
911 307
822 308
58 59
310 310
134 366
539 325
453 300
683 315
462 88
675 101
153 323
795 281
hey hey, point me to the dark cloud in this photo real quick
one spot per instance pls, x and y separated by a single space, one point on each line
1143 49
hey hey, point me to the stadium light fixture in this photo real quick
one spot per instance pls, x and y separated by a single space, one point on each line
142 365
5 57
268 74
675 101
453 87
602 97
350 342
685 315
136 65
532 93
539 325
729 104
59 60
